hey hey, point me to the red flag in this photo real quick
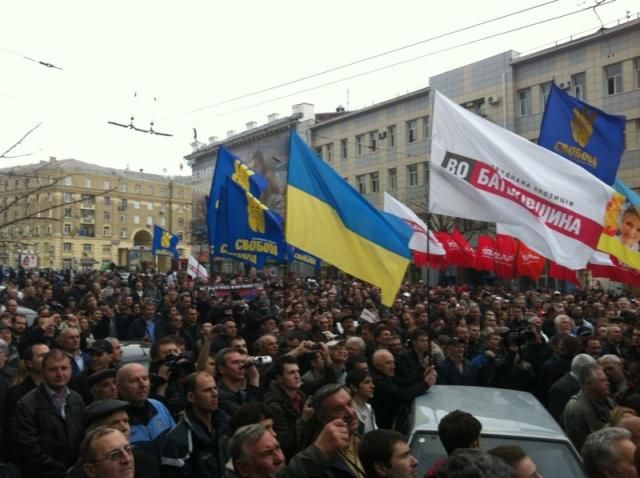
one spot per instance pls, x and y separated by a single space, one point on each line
529 263
457 252
485 255
505 256
469 253
603 265
559 272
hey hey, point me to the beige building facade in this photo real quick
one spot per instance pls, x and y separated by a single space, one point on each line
69 214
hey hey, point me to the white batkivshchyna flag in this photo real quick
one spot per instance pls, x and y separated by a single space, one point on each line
484 172
196 270
426 247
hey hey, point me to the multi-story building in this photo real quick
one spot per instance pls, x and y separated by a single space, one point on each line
386 147
72 214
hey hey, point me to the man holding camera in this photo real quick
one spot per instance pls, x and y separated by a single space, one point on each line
238 379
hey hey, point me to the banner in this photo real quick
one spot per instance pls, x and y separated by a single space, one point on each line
483 172
528 263
164 242
468 252
583 134
505 256
486 254
196 270
602 265
425 248
562 273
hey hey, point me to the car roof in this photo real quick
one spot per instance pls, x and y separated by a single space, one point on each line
501 411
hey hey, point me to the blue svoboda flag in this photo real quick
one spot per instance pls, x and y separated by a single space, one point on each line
164 241
329 219
583 134
228 165
246 229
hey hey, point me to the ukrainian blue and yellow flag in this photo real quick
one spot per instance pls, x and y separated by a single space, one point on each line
164 241
228 165
583 134
329 219
246 226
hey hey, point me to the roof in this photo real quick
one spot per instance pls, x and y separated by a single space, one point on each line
501 411
73 165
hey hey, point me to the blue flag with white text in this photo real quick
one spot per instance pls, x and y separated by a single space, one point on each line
164 241
583 134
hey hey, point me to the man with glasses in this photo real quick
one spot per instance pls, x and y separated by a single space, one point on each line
106 453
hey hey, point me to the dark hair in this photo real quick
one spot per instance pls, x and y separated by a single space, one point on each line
248 414
55 354
87 453
279 363
355 377
377 447
416 332
354 360
473 463
458 429
155 348
510 454
322 394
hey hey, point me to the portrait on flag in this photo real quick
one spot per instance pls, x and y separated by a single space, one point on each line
621 231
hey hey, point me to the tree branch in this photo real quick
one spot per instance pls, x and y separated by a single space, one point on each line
16 144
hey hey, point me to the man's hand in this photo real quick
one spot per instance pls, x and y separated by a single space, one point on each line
333 438
252 374
430 376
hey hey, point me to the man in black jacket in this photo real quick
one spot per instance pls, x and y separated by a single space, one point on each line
455 369
197 446
149 327
389 398
238 381
48 422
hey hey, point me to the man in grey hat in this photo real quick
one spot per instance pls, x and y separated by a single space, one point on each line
100 356
102 384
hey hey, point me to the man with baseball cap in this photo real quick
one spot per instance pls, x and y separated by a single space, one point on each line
100 357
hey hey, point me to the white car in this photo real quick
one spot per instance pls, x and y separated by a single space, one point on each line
508 417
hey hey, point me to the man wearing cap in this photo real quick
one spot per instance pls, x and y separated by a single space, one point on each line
102 384
455 369
100 355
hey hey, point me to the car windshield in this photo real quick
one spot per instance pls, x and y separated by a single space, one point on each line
553 459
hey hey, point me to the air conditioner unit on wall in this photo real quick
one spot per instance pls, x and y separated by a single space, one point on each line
565 85
493 100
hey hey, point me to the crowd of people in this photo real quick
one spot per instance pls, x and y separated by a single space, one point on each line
306 378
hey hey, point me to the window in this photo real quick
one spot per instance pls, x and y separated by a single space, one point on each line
67 181
150 191
87 248
163 221
107 201
613 74
36 230
329 152
579 81
180 222
123 204
137 188
361 182
106 185
359 144
67 247
343 149
425 127
180 208
66 229
68 212
391 136
149 206
375 182
87 182
49 229
373 140
106 231
123 188
524 100
163 192
67 263
135 204
545 89
181 194
106 248
67 197
123 233
636 69
392 178
136 219
412 175
106 215
149 220
412 131
123 218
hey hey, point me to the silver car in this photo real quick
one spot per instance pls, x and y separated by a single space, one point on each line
508 417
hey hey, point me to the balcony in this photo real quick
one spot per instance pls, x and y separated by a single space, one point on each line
88 205
87 220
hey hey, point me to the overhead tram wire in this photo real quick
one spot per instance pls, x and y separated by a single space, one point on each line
356 62
393 65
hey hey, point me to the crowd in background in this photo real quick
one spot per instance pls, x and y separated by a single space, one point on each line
315 371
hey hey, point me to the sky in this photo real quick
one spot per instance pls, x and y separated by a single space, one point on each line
180 63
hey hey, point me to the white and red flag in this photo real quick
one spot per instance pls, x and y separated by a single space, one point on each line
484 172
425 248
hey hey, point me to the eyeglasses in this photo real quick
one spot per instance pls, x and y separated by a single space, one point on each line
118 455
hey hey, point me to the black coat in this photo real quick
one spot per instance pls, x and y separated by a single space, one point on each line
45 444
448 373
102 328
138 329
560 393
389 398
